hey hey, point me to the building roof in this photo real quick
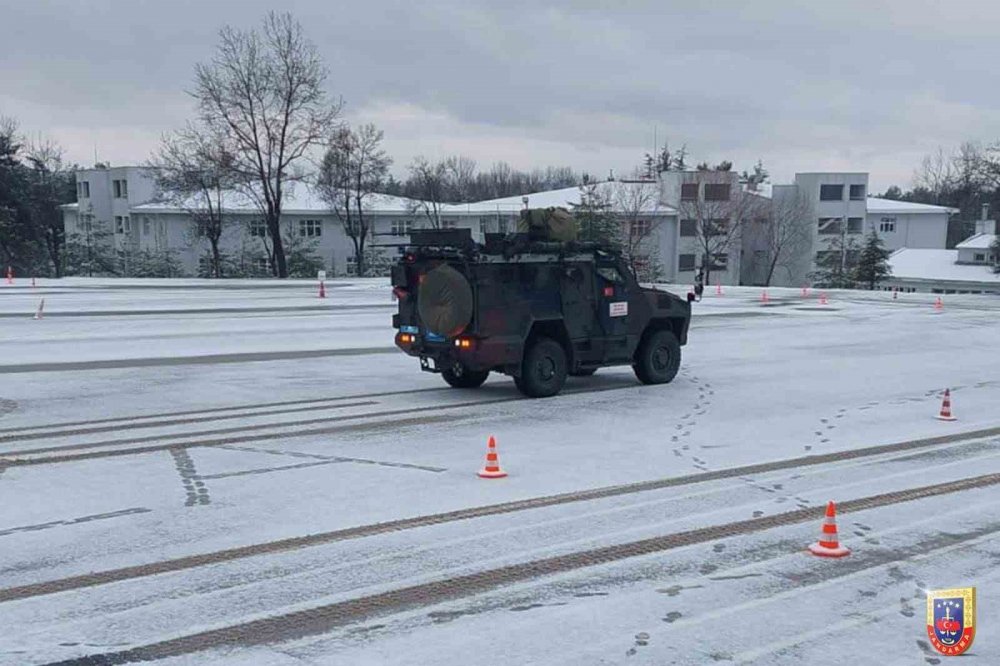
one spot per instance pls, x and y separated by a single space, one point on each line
301 199
938 266
566 197
977 242
877 205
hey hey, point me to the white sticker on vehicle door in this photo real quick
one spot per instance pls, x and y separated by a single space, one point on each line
619 309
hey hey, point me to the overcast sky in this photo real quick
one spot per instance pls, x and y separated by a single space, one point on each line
854 85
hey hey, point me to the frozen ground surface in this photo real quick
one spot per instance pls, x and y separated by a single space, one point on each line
149 420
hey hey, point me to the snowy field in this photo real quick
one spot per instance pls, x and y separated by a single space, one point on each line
241 472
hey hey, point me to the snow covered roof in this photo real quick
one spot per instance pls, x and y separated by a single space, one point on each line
876 205
977 242
565 197
937 265
301 199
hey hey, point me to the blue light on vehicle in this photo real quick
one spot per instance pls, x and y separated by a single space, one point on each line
409 329
433 337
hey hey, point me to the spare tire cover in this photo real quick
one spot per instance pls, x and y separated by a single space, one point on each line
444 301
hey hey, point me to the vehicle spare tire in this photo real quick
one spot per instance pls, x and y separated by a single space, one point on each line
444 301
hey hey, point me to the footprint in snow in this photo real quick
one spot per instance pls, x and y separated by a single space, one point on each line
672 617
719 547
758 514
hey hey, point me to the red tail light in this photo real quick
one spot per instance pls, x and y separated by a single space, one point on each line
400 293
406 338
609 291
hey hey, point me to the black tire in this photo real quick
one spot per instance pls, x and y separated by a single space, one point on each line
658 358
543 371
464 378
583 372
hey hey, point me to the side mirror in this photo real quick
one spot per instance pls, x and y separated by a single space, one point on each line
690 297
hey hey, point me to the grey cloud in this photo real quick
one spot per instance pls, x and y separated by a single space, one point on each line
778 80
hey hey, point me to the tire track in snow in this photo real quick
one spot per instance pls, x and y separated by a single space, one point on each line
363 531
282 430
322 619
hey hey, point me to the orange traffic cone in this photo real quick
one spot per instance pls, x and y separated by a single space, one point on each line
822 299
322 289
10 275
939 304
945 413
718 289
491 470
764 297
828 544
38 312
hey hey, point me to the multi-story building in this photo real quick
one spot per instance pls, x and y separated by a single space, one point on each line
711 208
684 221
820 213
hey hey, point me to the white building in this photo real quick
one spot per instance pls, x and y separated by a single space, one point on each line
968 269
123 202
834 204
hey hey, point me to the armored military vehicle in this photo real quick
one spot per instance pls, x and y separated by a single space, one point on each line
531 307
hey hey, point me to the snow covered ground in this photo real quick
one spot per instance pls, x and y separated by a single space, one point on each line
147 421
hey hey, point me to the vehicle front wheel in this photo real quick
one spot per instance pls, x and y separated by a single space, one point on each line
658 358
462 377
543 371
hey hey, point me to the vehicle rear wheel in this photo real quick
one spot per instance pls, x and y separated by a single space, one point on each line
583 372
658 358
543 371
462 377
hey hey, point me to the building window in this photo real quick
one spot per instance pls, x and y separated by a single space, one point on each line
855 225
87 223
310 228
716 191
689 191
639 228
449 224
685 262
857 192
258 229
720 261
689 227
83 190
826 257
401 227
980 257
261 264
829 225
119 224
831 192
120 188
145 226
887 225
352 266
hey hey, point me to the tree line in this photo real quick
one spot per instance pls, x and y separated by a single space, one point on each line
967 178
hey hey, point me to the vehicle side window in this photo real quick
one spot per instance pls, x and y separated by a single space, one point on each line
611 274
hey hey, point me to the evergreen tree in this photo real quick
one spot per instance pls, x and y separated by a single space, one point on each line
594 216
873 263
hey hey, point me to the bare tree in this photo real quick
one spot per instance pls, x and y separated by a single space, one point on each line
637 205
461 172
352 172
194 169
781 231
429 183
264 92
